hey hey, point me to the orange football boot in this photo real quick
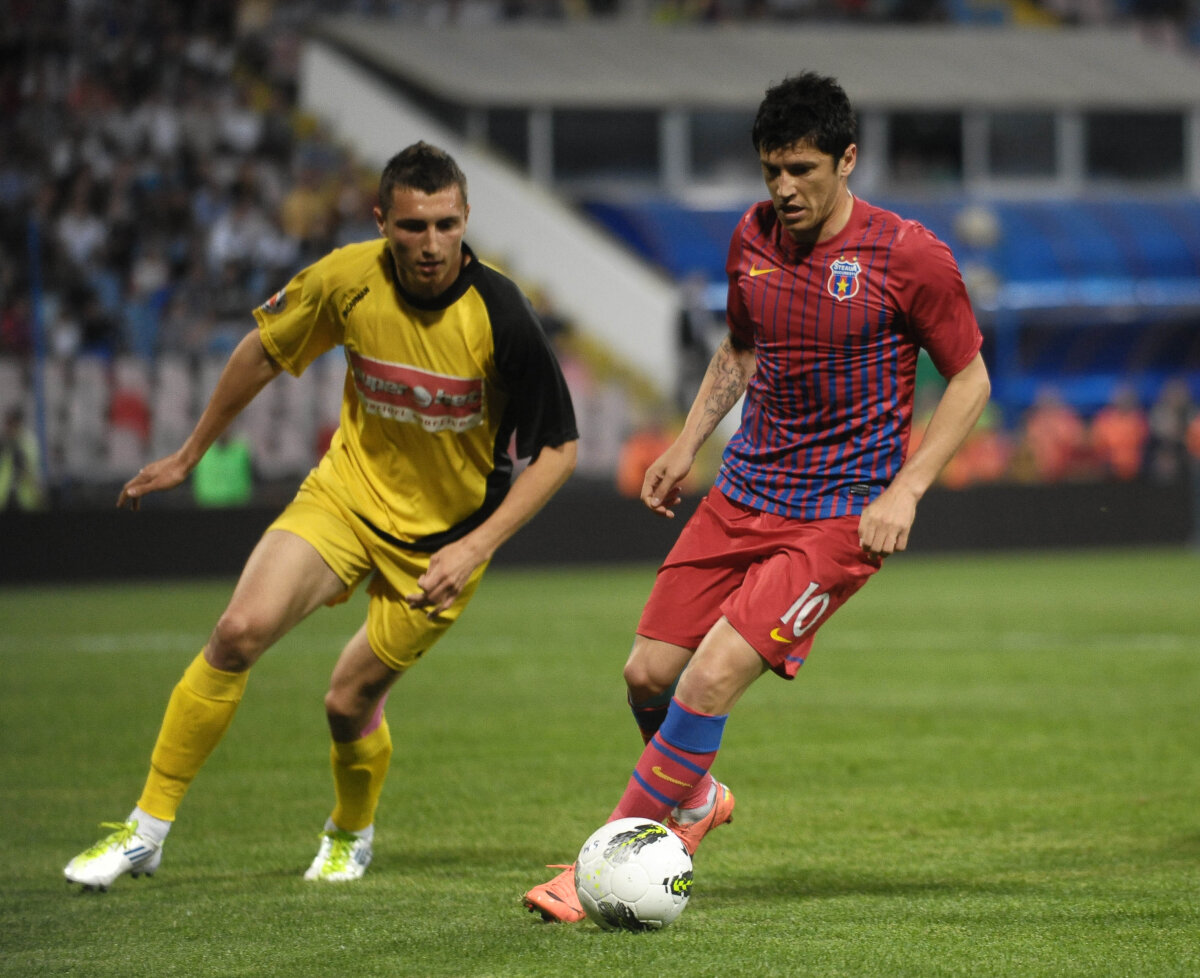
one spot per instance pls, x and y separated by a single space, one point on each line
556 899
692 832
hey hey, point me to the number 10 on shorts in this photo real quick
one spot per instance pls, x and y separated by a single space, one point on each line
807 610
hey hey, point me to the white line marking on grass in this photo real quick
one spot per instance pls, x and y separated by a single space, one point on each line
103 643
1143 642
949 639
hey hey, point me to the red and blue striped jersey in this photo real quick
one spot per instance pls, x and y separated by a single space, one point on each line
836 333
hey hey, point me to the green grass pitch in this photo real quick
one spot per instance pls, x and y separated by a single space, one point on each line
990 766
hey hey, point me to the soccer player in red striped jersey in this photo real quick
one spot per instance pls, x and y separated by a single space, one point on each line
830 302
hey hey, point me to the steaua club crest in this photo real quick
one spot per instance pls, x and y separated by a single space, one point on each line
843 278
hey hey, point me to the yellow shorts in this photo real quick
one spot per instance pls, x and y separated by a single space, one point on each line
398 634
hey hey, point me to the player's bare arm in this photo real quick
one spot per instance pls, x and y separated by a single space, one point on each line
886 522
724 383
249 369
451 567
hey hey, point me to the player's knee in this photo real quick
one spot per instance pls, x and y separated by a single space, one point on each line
336 706
638 680
347 712
713 683
646 677
237 642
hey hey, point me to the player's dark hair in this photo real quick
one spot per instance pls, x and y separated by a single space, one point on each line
807 108
420 167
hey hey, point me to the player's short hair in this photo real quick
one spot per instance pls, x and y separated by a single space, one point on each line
422 167
807 108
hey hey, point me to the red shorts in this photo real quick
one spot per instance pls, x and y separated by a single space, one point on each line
775 578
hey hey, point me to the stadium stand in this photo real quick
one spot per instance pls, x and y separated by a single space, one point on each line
1082 292
159 175
1089 275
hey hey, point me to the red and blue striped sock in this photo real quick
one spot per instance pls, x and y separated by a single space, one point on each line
673 768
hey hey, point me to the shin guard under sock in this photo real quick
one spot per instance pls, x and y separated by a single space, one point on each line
674 764
198 713
359 770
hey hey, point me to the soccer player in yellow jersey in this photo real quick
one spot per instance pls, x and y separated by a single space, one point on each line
446 364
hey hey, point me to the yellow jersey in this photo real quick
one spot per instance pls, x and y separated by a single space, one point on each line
436 389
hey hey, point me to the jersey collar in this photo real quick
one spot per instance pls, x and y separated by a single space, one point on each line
797 252
443 300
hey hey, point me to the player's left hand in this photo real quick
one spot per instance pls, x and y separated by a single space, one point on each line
884 525
449 571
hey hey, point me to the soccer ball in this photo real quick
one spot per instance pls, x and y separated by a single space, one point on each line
633 874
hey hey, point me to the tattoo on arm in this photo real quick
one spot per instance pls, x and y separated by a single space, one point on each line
729 372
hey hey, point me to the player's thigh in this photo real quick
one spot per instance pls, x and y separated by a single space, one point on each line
706 565
788 596
284 580
723 668
398 634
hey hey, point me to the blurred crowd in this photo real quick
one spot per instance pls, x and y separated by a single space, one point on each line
1052 443
157 181
1055 442
152 158
1172 22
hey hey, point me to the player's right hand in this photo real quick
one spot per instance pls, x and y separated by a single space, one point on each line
165 473
662 488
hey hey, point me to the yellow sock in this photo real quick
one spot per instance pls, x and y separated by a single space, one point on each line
359 770
198 714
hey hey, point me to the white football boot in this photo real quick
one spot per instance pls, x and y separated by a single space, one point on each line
342 856
122 851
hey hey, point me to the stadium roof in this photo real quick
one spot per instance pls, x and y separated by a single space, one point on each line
621 65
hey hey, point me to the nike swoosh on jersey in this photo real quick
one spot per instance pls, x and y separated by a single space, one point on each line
659 772
779 638
756 271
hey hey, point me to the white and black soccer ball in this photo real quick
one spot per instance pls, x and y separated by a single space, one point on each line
633 874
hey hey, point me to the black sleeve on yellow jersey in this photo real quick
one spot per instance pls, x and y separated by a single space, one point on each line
539 406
